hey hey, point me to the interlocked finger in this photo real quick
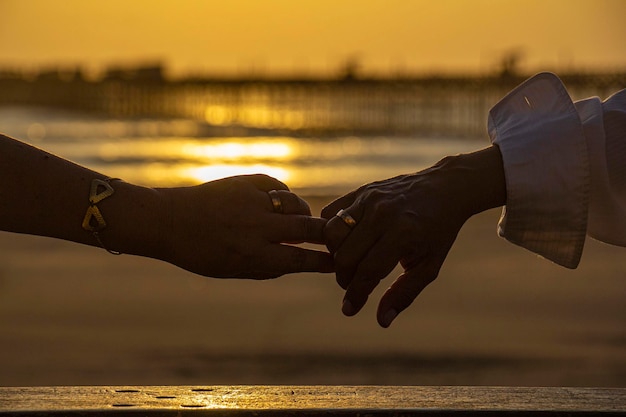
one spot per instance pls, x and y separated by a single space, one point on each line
340 226
295 228
277 204
346 218
285 202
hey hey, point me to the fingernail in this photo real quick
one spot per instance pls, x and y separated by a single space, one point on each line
388 317
347 308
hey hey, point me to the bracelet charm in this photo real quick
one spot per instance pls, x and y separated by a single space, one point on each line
94 220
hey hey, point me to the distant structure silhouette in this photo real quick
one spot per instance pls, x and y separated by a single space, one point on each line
351 103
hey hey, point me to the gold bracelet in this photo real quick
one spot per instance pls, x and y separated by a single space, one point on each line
94 221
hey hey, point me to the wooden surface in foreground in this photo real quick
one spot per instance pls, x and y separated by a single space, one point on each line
310 400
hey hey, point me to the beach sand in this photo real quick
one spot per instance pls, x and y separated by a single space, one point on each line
497 315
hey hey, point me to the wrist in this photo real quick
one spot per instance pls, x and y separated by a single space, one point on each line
478 180
486 178
135 218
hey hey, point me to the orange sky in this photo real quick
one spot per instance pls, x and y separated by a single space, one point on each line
313 35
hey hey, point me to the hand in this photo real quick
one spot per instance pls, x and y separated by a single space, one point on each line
412 220
225 228
228 228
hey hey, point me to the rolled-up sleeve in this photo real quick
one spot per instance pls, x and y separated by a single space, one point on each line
565 168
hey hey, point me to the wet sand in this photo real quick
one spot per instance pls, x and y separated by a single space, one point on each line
497 315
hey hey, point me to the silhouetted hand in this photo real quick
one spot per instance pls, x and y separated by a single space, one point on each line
412 220
229 228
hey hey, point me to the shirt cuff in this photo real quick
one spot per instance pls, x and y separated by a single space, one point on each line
546 167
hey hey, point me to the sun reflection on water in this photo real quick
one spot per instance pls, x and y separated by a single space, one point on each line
234 157
183 149
190 161
328 166
233 150
201 174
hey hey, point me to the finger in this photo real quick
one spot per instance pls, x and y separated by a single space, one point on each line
342 202
265 182
290 203
335 232
350 250
379 262
339 227
290 259
295 228
405 290
348 257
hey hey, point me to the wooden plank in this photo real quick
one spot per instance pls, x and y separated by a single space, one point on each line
309 400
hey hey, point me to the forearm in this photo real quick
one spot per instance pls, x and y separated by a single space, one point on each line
45 195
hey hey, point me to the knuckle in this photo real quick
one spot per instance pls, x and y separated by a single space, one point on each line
373 193
302 206
263 177
383 208
363 189
445 161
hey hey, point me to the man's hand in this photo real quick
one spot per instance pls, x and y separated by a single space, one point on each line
412 220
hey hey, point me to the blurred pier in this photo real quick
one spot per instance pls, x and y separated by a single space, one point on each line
453 106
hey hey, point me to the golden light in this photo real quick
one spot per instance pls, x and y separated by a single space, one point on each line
188 161
238 149
261 115
201 151
200 174
218 115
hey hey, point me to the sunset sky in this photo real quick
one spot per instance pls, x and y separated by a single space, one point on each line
282 36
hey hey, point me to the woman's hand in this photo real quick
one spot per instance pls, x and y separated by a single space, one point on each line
226 228
412 220
231 228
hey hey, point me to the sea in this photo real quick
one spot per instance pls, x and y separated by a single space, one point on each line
496 315
177 152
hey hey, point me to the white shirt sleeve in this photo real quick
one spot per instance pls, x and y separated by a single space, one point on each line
565 168
604 124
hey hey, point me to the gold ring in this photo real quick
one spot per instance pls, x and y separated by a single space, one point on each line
276 203
347 219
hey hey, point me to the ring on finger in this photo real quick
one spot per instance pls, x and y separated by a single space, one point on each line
277 204
347 218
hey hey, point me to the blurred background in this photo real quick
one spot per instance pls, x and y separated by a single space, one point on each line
324 96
